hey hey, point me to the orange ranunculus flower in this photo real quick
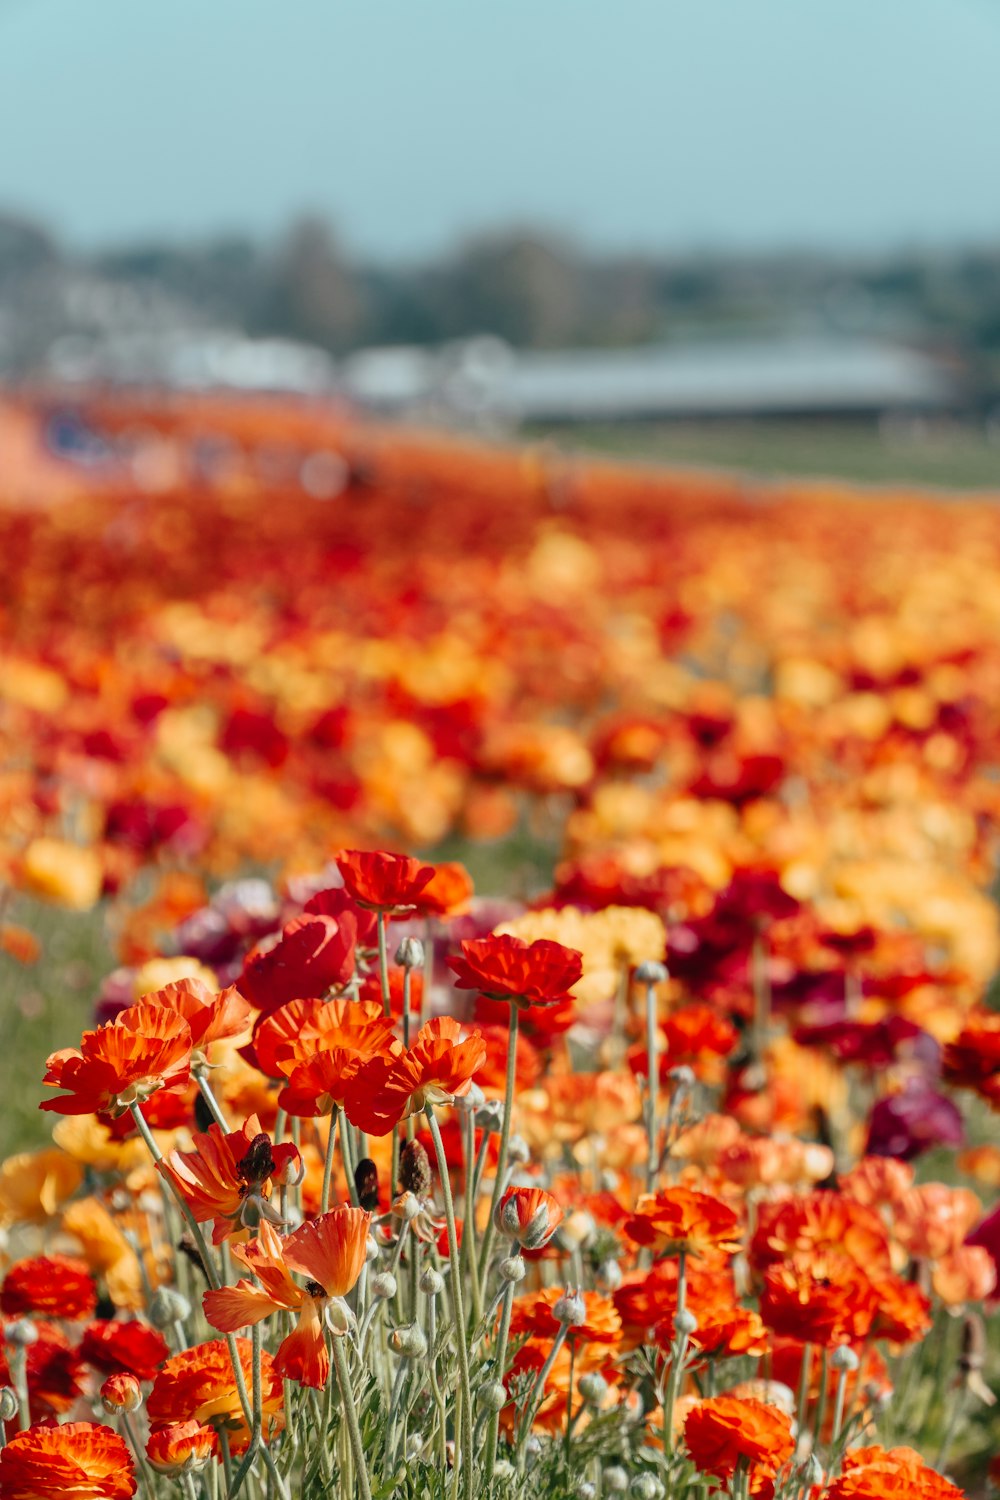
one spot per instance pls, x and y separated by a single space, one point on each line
144 1049
294 1032
33 1184
211 1017
226 1173
387 882
447 893
679 1220
121 1392
438 1067
727 1431
933 1219
330 1251
725 1329
504 967
320 1064
530 1216
820 1221
819 1297
532 1317
85 1460
116 1347
55 1285
182 1448
883 1474
904 1311
198 1385
967 1274
877 1181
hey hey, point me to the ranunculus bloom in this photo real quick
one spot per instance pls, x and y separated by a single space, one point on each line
182 1448
55 1285
54 1371
228 1174
914 1120
728 1430
820 1221
528 1215
85 1460
314 954
504 967
121 1393
295 1032
532 1315
438 1067
198 1385
447 893
211 1017
972 1060
884 1474
388 882
819 1297
933 1219
680 1220
128 1348
144 1049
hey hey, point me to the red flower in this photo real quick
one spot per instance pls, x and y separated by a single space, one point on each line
819 1298
55 1285
227 1172
727 1431
198 1385
387 882
681 1220
54 1372
885 1474
121 1393
182 1448
447 893
80 1459
528 1215
116 1347
313 955
438 1067
212 1018
144 1049
503 967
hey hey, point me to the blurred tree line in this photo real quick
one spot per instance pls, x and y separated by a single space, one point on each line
534 289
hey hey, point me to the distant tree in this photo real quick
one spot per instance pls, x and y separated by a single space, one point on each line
522 287
314 293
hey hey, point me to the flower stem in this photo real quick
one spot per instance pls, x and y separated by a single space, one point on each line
677 1358
653 1071
213 1104
331 1141
206 1257
461 1330
508 1106
364 1489
493 1432
383 961
256 1416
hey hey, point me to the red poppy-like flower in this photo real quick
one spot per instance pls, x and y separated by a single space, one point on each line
294 1032
121 1393
116 1347
228 1176
83 1459
681 1220
198 1385
904 1312
885 1474
330 1252
54 1285
313 954
725 1330
726 1431
386 882
819 1298
438 1067
371 989
530 1216
182 1448
532 1316
54 1373
143 1049
211 1017
972 1060
504 967
335 901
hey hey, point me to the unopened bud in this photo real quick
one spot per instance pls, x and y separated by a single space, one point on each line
383 1284
615 1480
503 1470
682 1078
408 1207
812 1471
489 1116
593 1388
518 1151
410 953
372 1251
533 1447
570 1309
651 972
21 1333
608 1276
844 1358
414 1444
415 1170
512 1268
8 1403
410 1340
168 1306
431 1282
685 1323
471 1102
585 1490
647 1487
121 1393
338 1316
493 1396
366 1183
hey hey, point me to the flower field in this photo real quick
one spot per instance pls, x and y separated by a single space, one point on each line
503 946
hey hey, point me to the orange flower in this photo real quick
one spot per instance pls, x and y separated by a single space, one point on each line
933 1219
968 1274
728 1431
121 1393
182 1448
386 882
819 1297
447 893
530 1216
904 1311
330 1251
55 1285
198 1385
438 1067
82 1459
116 1347
820 1221
227 1177
53 1370
532 1317
320 1064
877 1181
212 1018
883 1474
504 967
144 1049
290 1034
679 1220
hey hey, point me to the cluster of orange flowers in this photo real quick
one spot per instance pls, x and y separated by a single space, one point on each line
362 1179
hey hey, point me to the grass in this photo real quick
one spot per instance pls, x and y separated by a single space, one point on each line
941 456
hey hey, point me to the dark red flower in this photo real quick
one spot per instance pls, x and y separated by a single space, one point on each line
503 967
313 955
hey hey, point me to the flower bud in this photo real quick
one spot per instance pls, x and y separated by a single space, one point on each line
651 972
493 1396
8 1403
512 1268
812 1471
431 1282
472 1102
647 1487
168 1306
383 1284
490 1116
503 1471
570 1309
615 1480
410 953
290 1172
408 1207
366 1183
415 1170
409 1340
372 1251
844 1358
414 1444
518 1151
585 1490
608 1276
685 1323
533 1448
21 1333
682 1078
593 1388
121 1393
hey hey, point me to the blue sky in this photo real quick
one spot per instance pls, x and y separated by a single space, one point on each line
648 124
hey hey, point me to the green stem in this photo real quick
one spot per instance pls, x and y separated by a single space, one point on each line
196 1230
351 1415
383 961
653 1070
461 1330
140 1456
508 1105
213 1104
469 1256
493 1432
331 1141
346 1154
802 1403
677 1358
256 1417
